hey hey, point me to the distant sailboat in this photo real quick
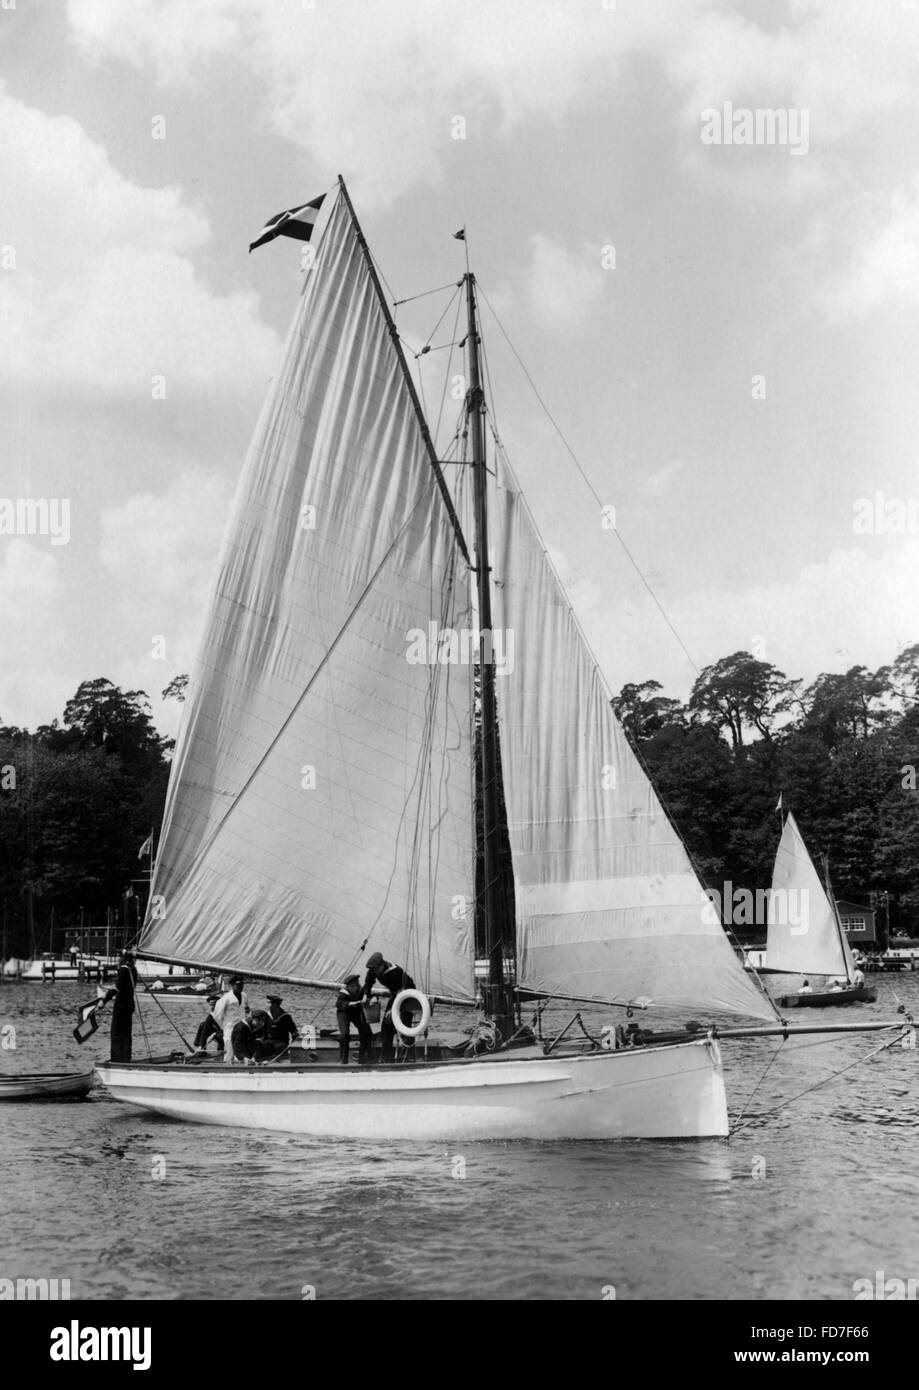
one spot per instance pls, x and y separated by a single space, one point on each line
804 936
324 794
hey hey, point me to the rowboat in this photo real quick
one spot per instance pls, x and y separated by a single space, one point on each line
166 992
48 1085
827 998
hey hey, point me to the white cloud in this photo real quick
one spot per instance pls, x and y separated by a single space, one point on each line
843 61
885 268
166 545
30 594
113 300
555 286
584 594
28 573
175 33
561 285
161 551
370 86
869 597
660 483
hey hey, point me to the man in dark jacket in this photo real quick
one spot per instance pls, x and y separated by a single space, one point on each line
392 978
282 1031
123 1007
349 1008
249 1038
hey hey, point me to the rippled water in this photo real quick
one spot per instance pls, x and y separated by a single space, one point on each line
246 1214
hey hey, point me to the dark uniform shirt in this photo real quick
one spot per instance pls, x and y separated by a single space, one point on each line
281 1028
393 978
247 1038
124 991
349 1003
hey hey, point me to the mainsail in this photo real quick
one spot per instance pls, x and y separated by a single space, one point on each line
802 934
608 904
321 792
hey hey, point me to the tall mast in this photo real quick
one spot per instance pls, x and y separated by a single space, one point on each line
498 931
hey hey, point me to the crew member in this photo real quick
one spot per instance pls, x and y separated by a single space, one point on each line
349 1008
806 988
249 1038
123 1007
231 1008
282 1030
209 1027
393 978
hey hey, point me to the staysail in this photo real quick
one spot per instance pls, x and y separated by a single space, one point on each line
608 904
802 933
321 791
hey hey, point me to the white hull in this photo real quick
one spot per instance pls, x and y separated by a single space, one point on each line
667 1092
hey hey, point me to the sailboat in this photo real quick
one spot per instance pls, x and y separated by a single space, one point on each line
346 782
804 936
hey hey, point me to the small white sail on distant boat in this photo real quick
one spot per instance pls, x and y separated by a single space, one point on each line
805 940
324 791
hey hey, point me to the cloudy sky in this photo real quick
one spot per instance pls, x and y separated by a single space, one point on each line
742 377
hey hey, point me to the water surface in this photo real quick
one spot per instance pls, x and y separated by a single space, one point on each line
246 1213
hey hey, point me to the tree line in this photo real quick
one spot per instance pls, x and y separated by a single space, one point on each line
843 753
79 796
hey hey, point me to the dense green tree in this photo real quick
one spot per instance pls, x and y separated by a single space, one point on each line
844 754
846 706
77 799
176 689
902 676
643 712
740 693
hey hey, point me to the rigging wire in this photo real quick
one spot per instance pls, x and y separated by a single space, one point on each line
759 1083
593 491
151 993
825 1081
441 347
443 394
454 296
424 294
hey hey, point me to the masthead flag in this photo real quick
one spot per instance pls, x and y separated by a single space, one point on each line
295 222
460 235
779 802
146 847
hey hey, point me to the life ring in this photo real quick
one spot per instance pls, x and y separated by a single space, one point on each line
417 1029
